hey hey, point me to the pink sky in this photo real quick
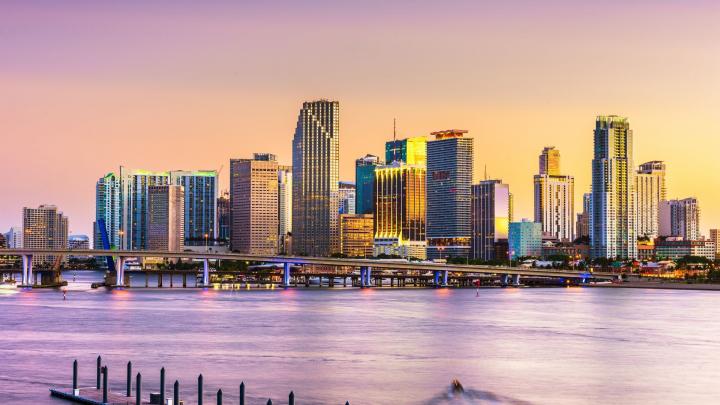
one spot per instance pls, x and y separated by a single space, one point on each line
87 86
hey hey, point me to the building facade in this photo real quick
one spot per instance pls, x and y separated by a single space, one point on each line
412 151
582 226
680 218
715 238
356 235
45 228
554 197
107 211
613 228
134 186
365 184
254 205
284 208
449 194
347 196
525 239
316 157
14 238
677 248
651 191
400 210
166 218
490 218
223 215
201 193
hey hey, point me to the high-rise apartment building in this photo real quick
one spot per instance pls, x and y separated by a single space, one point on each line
680 218
201 192
346 194
166 218
525 239
449 183
651 191
254 205
582 227
107 211
613 227
14 238
715 238
400 210
356 235
490 217
365 184
223 215
284 208
412 151
44 228
134 186
316 157
554 197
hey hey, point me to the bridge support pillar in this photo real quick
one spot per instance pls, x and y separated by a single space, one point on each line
206 273
445 278
120 272
504 279
286 275
516 280
365 276
27 274
436 278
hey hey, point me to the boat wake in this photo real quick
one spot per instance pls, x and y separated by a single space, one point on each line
456 394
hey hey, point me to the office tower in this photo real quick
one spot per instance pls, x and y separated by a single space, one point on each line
166 218
346 195
412 151
134 185
400 210
613 228
525 239
107 211
284 208
365 184
316 156
356 235
449 183
715 238
680 218
650 189
254 205
582 227
14 238
554 197
201 192
223 214
490 217
45 228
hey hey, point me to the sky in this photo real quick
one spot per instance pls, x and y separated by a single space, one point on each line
87 86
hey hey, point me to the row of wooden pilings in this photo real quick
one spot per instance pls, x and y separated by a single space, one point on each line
157 398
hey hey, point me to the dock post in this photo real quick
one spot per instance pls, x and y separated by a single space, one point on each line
147 279
269 402
286 275
206 273
172 275
138 389
200 389
176 392
162 385
105 384
291 398
242 393
219 397
99 369
75 375
129 379
445 278
184 280
160 280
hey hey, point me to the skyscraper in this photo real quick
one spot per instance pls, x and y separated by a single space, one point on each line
44 228
449 183
356 235
107 211
14 238
223 214
346 194
525 239
166 218
134 185
582 227
365 184
400 210
715 238
254 205
680 218
613 228
316 156
412 151
651 191
490 217
554 197
201 192
284 208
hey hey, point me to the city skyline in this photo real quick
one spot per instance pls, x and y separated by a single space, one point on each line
202 123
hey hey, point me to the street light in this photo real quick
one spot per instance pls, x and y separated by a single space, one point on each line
122 240
206 242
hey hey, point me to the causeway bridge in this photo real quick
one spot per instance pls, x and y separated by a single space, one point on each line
440 272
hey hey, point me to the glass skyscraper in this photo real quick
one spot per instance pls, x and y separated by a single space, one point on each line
316 156
613 227
201 193
365 184
449 182
490 217
412 151
107 210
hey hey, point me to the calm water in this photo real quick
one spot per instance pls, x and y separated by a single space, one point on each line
516 346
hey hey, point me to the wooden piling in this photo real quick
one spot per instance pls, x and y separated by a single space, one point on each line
129 379
138 389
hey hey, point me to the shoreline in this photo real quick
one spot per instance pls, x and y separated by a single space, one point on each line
660 285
